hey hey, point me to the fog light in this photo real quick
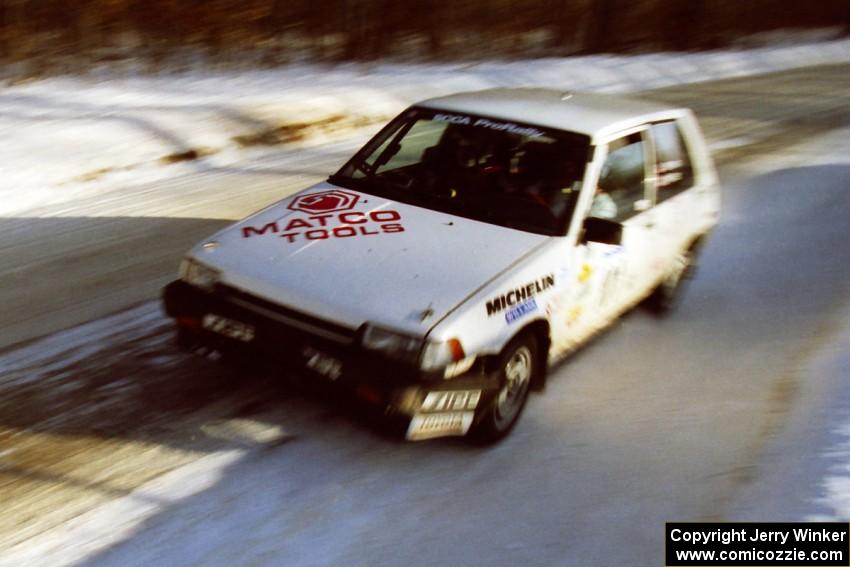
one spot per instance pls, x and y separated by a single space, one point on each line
368 394
188 322
459 367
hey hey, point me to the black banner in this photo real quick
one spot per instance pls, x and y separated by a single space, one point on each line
807 544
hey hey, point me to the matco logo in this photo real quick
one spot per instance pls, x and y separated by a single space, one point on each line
324 202
329 215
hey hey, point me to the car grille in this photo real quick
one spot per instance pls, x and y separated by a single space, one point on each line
289 317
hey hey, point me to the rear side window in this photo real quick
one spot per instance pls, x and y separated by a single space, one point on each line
673 169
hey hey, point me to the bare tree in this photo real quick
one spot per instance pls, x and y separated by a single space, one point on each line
598 26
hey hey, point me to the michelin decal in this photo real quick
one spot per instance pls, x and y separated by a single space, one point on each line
520 297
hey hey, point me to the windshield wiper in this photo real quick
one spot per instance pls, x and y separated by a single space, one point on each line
381 187
373 185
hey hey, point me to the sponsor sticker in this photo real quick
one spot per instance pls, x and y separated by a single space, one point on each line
324 202
428 425
322 363
228 327
520 311
574 315
328 215
491 124
520 295
450 400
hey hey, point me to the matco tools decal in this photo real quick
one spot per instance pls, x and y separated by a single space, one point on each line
330 216
324 202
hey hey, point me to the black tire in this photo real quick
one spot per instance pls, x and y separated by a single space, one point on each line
668 294
517 369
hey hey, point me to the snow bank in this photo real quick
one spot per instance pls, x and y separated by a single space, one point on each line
67 136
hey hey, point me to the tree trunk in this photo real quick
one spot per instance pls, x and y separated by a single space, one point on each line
598 38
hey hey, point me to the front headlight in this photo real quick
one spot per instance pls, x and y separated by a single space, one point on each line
448 355
199 275
428 355
392 343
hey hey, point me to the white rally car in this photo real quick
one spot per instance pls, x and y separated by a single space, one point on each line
473 241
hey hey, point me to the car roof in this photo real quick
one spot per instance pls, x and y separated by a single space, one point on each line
595 115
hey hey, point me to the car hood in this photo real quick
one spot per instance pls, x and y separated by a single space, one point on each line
350 257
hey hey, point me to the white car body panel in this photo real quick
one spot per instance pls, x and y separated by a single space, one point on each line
388 278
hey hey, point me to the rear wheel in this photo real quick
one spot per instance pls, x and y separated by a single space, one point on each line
516 369
668 294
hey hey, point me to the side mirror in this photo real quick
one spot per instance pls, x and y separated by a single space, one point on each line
604 231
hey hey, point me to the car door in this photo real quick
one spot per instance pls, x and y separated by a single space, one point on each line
675 194
624 193
600 276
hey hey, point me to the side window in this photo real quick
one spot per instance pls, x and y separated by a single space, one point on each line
621 181
673 168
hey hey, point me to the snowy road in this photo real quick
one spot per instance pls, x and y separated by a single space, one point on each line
685 418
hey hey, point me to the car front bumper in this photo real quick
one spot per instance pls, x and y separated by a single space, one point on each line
327 355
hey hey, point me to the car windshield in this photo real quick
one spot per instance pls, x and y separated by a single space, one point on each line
515 175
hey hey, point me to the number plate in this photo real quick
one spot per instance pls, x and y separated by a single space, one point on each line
324 364
450 400
428 425
228 327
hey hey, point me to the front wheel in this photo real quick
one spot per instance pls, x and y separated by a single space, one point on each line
516 368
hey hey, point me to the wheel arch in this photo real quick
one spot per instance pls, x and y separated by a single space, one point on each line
539 329
697 243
